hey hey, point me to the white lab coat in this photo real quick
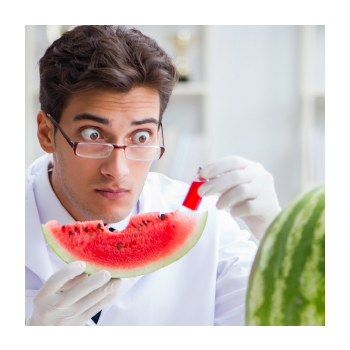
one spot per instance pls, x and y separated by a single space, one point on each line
205 287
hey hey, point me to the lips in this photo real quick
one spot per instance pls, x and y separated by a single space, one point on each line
112 193
115 190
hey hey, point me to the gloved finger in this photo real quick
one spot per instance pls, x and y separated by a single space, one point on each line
61 277
98 298
238 195
223 165
83 288
246 208
73 282
72 315
93 310
70 321
227 181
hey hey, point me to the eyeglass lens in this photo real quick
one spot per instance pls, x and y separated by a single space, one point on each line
95 150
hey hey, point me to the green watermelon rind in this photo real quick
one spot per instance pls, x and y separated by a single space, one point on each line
118 273
282 290
56 247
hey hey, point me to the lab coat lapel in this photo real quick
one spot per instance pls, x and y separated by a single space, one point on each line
36 255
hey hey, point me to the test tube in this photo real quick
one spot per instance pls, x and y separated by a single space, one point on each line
192 199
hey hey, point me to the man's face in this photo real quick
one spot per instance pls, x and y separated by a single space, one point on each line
107 188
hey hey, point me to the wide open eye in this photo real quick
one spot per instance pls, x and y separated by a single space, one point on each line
90 134
141 137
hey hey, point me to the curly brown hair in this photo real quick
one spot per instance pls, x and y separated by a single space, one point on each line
90 57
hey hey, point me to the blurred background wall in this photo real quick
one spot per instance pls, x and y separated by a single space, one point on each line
253 91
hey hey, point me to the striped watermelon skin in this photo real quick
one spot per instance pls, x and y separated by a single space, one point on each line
287 281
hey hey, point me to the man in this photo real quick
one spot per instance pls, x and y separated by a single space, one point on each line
100 87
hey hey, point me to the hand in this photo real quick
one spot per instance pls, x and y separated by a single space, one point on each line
245 188
71 297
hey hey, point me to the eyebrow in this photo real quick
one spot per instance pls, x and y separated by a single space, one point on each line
145 121
101 120
87 116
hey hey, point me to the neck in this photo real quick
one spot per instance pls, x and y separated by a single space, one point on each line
62 197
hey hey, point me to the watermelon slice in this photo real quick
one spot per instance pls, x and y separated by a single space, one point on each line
149 242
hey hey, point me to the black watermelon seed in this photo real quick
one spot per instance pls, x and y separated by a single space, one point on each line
111 229
119 246
163 216
75 228
145 223
63 228
99 226
69 233
86 229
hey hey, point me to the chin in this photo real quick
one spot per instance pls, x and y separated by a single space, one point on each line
107 211
116 216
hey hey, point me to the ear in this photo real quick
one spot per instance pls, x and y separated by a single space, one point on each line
45 133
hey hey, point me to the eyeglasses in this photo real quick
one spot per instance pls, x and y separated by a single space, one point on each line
104 150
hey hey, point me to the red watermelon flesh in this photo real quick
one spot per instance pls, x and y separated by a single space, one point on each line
149 242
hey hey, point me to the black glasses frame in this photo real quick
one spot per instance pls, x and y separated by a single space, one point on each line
74 145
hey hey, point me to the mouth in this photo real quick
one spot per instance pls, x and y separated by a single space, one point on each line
112 193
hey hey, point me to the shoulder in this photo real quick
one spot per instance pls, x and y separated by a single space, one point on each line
37 165
175 191
166 184
171 191
34 169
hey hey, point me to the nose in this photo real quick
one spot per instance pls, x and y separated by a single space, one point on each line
116 165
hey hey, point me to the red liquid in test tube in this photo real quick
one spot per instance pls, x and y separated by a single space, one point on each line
192 199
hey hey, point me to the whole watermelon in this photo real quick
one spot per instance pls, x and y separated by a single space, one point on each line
287 282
